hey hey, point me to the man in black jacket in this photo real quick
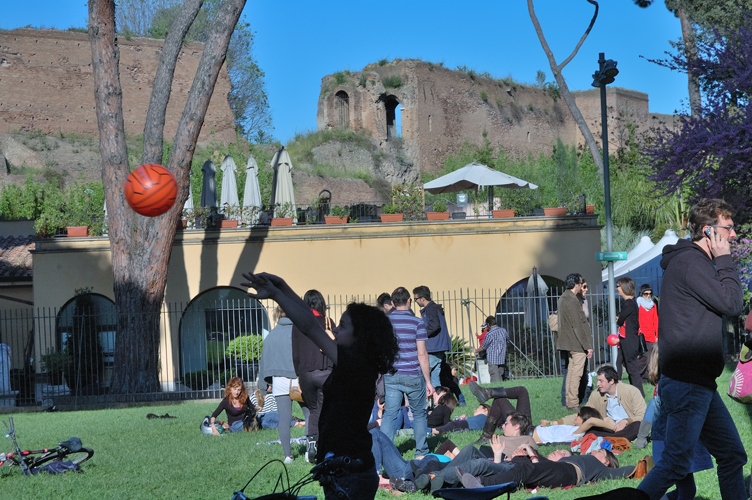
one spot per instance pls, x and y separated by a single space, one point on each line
700 285
436 328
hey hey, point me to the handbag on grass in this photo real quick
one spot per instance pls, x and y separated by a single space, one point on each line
295 393
740 386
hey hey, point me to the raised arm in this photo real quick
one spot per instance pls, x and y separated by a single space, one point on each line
269 286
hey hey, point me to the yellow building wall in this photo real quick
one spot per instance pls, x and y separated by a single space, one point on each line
345 260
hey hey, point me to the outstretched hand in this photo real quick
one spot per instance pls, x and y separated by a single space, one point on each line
497 444
262 283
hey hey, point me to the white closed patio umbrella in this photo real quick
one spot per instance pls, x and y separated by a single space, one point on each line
283 189
252 192
228 197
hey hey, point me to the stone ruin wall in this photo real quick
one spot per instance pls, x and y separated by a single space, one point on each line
47 84
443 108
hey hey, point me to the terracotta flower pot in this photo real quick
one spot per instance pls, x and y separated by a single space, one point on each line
182 224
589 209
500 214
555 211
282 221
78 231
392 217
437 215
229 223
332 219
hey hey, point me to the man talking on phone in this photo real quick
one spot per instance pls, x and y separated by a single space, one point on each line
700 285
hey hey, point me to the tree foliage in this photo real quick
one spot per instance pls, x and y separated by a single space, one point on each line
710 153
248 99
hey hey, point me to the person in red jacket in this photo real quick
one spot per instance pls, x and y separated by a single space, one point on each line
647 309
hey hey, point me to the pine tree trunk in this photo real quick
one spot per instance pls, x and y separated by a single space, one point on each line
693 86
141 246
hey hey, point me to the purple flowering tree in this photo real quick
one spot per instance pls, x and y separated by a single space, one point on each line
709 154
741 252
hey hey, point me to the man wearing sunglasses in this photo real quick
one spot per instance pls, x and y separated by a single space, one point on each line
700 285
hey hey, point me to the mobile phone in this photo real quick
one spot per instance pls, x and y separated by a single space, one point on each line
707 232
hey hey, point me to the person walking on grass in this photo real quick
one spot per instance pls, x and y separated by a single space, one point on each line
575 341
495 346
700 285
437 342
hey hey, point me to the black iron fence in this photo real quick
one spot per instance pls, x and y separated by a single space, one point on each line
68 356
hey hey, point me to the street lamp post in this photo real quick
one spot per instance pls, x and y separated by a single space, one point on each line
606 73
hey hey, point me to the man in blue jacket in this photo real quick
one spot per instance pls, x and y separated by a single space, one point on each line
700 285
436 329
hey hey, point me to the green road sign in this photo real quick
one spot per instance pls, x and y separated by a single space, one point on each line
610 256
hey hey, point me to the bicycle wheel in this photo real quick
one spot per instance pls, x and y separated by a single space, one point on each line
76 457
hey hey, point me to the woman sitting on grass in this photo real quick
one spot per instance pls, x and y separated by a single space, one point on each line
234 405
365 347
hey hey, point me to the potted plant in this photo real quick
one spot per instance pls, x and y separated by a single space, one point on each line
82 212
504 210
338 216
552 207
390 213
283 215
589 209
55 363
229 216
440 211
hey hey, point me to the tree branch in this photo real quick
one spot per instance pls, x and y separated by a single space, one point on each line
564 89
160 94
582 39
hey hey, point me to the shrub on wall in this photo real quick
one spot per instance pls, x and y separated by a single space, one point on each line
245 347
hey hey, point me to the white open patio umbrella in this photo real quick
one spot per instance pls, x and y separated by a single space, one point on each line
284 193
252 192
475 176
229 194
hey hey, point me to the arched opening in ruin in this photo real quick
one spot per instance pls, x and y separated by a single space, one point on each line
393 117
343 109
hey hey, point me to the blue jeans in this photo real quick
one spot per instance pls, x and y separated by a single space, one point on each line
236 426
695 413
388 456
434 364
414 387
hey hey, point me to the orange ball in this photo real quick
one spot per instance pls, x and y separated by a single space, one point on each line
151 190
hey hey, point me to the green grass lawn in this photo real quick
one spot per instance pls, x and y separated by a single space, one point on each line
168 459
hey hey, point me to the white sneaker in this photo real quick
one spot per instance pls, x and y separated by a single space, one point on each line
289 460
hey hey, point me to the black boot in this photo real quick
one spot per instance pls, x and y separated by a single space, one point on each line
484 394
488 430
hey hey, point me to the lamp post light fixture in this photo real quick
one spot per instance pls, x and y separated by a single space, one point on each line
606 74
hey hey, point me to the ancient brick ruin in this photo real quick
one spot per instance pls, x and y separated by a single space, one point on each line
442 108
46 84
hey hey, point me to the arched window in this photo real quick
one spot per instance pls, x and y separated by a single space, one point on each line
343 109
85 333
221 335
528 304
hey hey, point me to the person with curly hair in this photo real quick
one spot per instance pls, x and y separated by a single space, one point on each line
364 348
234 405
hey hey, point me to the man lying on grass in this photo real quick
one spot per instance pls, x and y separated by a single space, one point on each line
558 432
560 469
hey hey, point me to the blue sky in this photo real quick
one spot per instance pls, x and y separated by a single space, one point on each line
298 42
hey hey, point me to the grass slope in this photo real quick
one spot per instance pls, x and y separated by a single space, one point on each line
139 458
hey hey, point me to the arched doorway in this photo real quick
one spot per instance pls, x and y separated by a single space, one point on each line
393 117
221 335
343 109
85 335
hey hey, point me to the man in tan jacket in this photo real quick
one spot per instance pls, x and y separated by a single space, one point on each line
575 339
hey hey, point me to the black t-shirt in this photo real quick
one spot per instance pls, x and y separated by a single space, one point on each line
349 393
233 414
439 416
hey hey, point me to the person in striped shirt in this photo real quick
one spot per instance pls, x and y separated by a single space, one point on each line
412 377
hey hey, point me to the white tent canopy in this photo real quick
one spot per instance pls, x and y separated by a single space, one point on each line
669 238
643 246
475 176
